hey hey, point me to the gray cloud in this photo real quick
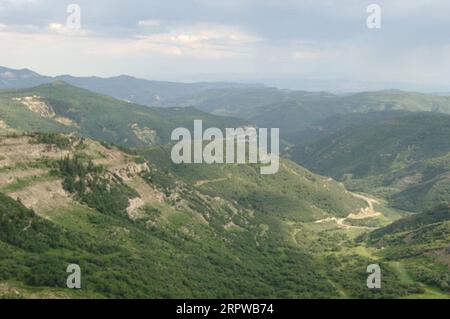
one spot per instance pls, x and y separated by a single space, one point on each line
231 39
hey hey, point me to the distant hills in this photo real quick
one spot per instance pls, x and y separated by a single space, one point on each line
292 111
60 107
140 91
11 78
403 156
392 144
295 111
373 143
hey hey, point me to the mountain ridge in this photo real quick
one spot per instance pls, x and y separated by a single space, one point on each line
61 107
125 87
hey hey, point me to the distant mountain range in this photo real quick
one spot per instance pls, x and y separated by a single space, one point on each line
145 92
295 111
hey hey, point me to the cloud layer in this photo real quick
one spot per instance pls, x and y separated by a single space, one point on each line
231 39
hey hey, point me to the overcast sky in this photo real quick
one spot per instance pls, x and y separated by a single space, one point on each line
231 39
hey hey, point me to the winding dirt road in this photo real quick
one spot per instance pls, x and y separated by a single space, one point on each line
367 212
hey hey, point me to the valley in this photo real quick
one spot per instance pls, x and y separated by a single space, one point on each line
158 215
60 107
88 179
216 157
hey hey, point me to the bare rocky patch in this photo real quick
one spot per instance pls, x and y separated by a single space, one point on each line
37 105
65 121
145 134
44 196
19 150
4 126
9 177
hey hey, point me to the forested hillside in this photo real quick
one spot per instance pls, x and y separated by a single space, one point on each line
59 107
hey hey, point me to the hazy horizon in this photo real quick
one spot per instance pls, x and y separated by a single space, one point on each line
335 86
288 44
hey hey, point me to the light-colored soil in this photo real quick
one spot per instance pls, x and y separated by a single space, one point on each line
3 125
110 158
35 104
145 134
146 192
9 177
44 196
65 121
364 213
367 212
20 150
130 170
148 195
11 292
204 182
133 207
232 226
290 170
341 223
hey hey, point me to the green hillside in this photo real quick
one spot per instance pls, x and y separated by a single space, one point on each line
419 245
400 156
142 227
266 107
373 144
293 192
139 227
144 92
296 111
59 107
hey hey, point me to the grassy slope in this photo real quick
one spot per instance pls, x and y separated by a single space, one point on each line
295 111
401 156
418 247
365 147
99 116
293 191
391 154
191 244
332 246
266 107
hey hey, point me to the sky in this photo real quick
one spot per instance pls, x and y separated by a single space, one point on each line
285 42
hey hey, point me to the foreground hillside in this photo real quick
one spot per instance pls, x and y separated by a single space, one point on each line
140 228
59 107
418 247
